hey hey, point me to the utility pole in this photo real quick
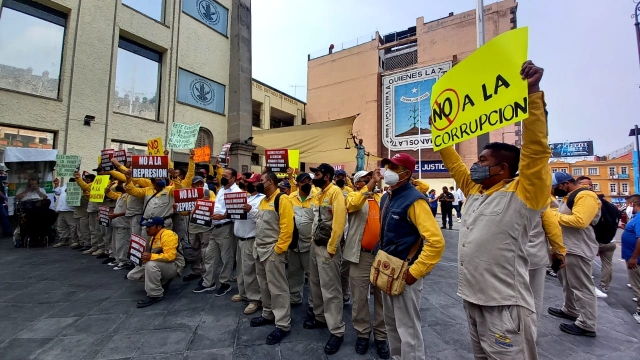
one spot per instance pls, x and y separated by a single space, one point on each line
295 89
483 139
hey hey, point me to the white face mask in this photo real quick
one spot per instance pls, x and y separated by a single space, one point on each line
391 178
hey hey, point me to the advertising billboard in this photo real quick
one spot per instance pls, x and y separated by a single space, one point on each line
570 149
406 107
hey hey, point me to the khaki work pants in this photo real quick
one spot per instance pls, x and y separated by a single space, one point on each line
360 314
84 233
606 257
96 233
402 319
274 290
248 284
634 280
219 250
136 228
199 243
154 274
299 263
536 282
579 292
326 288
66 225
107 236
502 332
122 236
344 278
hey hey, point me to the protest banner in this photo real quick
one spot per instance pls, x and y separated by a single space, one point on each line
137 246
67 165
202 154
223 158
338 167
235 202
149 166
482 93
203 212
121 156
186 198
277 160
105 159
103 213
183 136
129 156
97 188
74 194
154 147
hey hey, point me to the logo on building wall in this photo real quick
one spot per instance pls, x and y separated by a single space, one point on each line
202 92
406 107
208 11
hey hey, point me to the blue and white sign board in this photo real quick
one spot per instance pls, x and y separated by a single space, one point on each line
200 92
431 166
209 12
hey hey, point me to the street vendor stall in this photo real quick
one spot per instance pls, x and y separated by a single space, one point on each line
25 163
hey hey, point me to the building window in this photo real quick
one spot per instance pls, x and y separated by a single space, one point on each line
135 149
208 12
200 92
152 8
593 171
33 139
612 171
255 159
205 138
624 170
31 41
554 170
613 188
596 187
577 172
564 170
137 90
625 188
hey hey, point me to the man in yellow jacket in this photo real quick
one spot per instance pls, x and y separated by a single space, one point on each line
162 261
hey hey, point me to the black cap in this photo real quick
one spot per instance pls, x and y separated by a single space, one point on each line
302 176
324 169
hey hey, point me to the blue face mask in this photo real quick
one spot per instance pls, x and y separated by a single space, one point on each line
3 177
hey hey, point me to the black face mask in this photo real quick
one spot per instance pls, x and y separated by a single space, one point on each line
260 188
242 186
319 183
306 188
119 189
560 192
251 188
340 183
224 181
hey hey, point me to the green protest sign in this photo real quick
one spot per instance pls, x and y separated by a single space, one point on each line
183 136
74 194
66 165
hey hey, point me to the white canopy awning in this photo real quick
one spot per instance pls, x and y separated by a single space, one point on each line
15 154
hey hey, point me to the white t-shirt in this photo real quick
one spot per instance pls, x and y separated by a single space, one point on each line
30 195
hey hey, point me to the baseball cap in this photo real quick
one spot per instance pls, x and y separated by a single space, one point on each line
341 172
197 179
161 183
285 184
324 169
302 176
154 221
559 178
254 178
401 159
203 171
361 174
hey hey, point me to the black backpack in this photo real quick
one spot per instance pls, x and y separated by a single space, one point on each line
607 226
296 235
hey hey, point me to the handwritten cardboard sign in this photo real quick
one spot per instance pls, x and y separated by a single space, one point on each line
67 165
235 202
154 147
97 188
149 166
183 136
103 213
202 154
186 198
74 194
203 212
137 246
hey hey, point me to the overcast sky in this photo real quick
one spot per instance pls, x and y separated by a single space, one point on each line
587 48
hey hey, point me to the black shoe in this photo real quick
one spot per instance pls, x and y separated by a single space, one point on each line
450 227
362 345
310 324
201 288
333 345
165 286
443 227
148 301
260 321
104 256
223 289
107 260
310 314
276 336
84 248
191 277
382 347
129 267
561 314
574 329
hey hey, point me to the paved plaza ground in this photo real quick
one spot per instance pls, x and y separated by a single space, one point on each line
59 304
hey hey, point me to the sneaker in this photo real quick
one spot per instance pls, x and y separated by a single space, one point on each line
276 336
223 290
90 251
75 246
634 299
552 273
191 277
119 267
98 252
459 220
238 298
600 294
252 307
148 301
202 288
574 329
636 316
113 263
333 345
108 260
60 244
629 286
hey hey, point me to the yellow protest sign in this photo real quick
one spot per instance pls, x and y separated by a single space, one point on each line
154 147
97 188
482 93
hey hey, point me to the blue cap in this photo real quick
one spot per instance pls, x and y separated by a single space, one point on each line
285 184
559 178
341 172
161 183
154 221
302 176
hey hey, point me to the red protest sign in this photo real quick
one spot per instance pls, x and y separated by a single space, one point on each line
235 202
148 166
137 246
103 212
106 155
277 159
338 167
120 155
224 155
186 198
202 154
203 212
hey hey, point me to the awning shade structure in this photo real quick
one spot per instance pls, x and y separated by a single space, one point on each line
323 142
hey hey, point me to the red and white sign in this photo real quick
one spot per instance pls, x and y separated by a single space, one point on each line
277 160
106 156
186 198
148 166
235 202
137 246
103 213
338 167
121 156
203 212
224 155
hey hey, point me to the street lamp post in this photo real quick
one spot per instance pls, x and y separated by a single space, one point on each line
637 25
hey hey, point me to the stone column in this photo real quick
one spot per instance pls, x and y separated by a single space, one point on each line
240 104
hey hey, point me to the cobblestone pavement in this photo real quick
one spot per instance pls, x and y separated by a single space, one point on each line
59 304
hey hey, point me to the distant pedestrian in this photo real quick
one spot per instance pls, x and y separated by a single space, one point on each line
446 207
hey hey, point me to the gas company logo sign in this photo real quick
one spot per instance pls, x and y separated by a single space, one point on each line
208 12
202 92
406 107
